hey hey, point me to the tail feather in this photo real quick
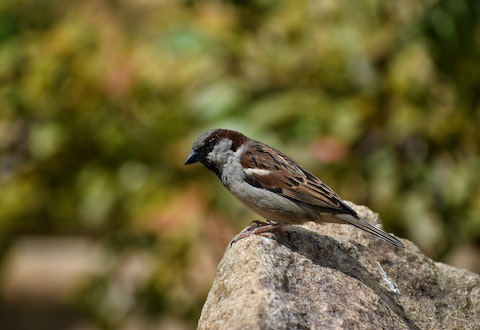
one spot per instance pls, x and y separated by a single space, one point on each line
370 228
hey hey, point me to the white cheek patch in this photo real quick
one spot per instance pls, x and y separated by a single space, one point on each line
257 171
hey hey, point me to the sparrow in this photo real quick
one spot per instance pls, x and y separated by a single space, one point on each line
273 185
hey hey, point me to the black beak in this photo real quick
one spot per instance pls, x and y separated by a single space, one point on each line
193 158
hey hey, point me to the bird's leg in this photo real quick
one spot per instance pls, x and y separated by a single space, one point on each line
260 228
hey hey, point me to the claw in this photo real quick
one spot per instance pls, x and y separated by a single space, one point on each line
259 228
256 223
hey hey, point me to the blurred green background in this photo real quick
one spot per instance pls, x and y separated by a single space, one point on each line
101 225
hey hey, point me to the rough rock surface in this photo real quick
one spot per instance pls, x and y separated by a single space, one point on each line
326 276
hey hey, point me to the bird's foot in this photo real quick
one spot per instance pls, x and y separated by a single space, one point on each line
260 228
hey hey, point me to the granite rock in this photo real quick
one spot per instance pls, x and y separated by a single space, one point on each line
331 276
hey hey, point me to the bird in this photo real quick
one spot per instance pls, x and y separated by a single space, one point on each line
273 185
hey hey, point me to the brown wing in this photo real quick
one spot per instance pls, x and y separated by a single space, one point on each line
287 178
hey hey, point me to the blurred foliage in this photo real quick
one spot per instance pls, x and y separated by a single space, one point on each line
100 101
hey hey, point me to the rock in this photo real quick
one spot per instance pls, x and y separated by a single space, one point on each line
326 276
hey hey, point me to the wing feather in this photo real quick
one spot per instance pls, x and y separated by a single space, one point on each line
290 180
